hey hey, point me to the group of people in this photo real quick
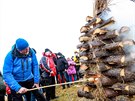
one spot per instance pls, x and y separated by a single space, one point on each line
22 72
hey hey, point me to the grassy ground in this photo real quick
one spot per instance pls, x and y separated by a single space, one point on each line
68 94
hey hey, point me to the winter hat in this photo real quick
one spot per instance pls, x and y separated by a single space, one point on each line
21 44
47 50
59 53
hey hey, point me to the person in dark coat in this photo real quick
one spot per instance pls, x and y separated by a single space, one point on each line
62 66
2 88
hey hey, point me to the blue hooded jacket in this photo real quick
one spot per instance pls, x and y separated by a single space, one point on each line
20 68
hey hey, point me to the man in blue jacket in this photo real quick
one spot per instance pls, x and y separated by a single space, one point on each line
21 71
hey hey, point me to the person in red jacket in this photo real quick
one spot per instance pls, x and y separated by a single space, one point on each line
48 73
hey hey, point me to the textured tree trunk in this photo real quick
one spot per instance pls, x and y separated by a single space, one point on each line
109 35
114 59
103 25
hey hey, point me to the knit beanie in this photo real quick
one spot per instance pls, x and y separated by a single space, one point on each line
59 53
47 50
21 44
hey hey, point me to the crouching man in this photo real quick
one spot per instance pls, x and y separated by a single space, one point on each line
21 71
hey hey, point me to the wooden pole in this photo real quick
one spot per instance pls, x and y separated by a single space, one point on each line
83 80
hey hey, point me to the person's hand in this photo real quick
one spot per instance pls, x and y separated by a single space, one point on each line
51 73
22 90
36 85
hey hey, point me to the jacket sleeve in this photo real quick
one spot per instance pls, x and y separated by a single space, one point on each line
35 67
73 63
65 62
7 73
43 61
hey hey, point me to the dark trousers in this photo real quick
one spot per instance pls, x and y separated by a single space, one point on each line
77 71
2 95
64 76
28 84
2 98
50 91
9 97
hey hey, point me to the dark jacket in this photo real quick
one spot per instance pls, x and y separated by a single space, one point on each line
2 85
62 64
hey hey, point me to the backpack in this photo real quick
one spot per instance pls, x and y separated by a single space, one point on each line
16 54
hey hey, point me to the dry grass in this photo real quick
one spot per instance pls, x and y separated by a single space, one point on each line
68 94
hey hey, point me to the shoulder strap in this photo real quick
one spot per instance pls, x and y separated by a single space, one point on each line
13 52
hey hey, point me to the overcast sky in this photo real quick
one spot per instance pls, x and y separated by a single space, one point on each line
53 24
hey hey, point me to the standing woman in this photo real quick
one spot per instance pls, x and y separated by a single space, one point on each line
48 73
